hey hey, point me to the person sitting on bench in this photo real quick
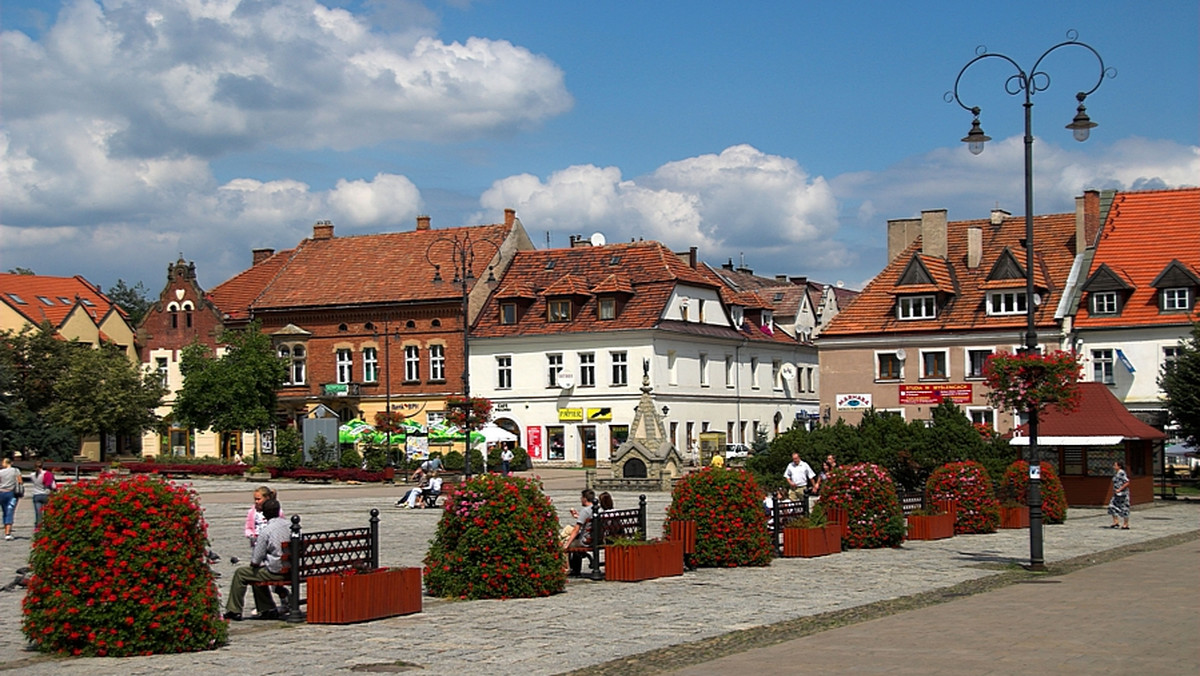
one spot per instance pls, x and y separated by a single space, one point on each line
425 495
265 564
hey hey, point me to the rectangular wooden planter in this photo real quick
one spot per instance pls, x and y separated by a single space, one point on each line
684 531
343 599
1014 517
811 542
634 563
838 516
937 527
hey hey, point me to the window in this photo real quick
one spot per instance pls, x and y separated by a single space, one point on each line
587 369
701 312
683 308
916 307
754 372
976 359
1171 354
620 368
607 308
703 370
345 365
370 364
554 364
504 372
560 310
46 301
672 371
1178 299
729 370
776 382
1104 302
1006 303
294 358
933 364
983 416
160 367
889 366
412 363
508 313
1102 366
437 362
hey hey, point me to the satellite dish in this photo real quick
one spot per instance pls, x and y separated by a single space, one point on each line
566 380
901 354
597 239
788 371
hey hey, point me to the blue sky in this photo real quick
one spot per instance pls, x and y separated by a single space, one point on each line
781 134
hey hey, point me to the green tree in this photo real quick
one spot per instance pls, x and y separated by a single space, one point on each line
1180 383
31 361
21 271
236 391
131 299
101 391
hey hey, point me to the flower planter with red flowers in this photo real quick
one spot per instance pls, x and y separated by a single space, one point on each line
643 561
812 542
359 597
935 527
1014 516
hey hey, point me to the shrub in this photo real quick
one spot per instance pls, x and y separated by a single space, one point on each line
969 484
497 538
1015 486
867 494
119 569
289 447
350 458
518 461
731 528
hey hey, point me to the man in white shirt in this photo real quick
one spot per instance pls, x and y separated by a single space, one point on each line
798 474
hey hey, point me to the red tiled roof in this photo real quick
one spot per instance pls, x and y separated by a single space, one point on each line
568 285
874 310
516 289
614 283
1100 414
44 297
1143 233
234 296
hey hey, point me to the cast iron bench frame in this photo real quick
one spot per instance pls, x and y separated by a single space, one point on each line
783 511
610 525
324 553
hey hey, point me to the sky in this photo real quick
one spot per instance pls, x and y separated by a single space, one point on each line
778 135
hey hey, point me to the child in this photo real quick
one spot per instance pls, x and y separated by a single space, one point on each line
254 517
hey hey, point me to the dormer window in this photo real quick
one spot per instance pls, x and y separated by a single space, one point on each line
683 308
558 310
606 309
508 313
1177 299
736 313
917 307
1007 303
768 318
1105 303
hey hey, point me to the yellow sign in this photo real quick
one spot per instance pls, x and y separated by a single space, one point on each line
570 415
599 414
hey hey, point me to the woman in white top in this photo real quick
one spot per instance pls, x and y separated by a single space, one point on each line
10 478
42 483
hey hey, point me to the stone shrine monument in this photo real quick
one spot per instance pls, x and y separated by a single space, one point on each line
647 460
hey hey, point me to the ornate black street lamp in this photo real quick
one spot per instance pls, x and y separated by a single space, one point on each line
462 257
1029 83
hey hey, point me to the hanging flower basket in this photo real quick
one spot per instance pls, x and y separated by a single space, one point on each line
470 413
1033 381
358 597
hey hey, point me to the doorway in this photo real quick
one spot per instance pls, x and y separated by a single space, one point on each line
587 436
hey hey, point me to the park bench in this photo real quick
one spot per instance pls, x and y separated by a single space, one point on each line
783 511
610 525
306 476
324 553
171 473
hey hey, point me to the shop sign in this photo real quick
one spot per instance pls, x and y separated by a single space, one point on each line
570 415
959 393
534 445
850 402
599 414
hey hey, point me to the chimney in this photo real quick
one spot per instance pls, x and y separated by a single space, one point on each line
510 215
900 233
727 265
578 241
933 233
1087 219
798 281
323 230
974 246
998 216
422 222
781 278
692 262
261 255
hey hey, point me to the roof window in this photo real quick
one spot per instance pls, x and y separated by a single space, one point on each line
17 299
46 301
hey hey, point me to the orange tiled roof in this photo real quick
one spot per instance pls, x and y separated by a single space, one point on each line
568 285
234 296
874 310
614 283
650 269
1143 234
39 298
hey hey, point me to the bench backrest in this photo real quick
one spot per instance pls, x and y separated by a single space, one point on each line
783 511
331 551
618 523
911 501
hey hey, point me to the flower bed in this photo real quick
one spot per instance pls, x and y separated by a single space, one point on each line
866 495
1015 486
119 569
643 561
967 483
358 597
726 506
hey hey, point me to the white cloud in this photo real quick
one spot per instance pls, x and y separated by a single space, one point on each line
384 201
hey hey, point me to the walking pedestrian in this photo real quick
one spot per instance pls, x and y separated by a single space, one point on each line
43 484
1118 508
506 457
11 488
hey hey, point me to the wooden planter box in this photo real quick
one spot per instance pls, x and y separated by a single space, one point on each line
1014 517
810 542
838 516
634 563
938 527
684 531
343 599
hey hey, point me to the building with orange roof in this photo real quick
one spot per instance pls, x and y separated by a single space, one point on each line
75 309
952 294
561 344
363 321
1139 296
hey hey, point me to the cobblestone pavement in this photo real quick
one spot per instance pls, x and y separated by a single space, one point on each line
542 636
